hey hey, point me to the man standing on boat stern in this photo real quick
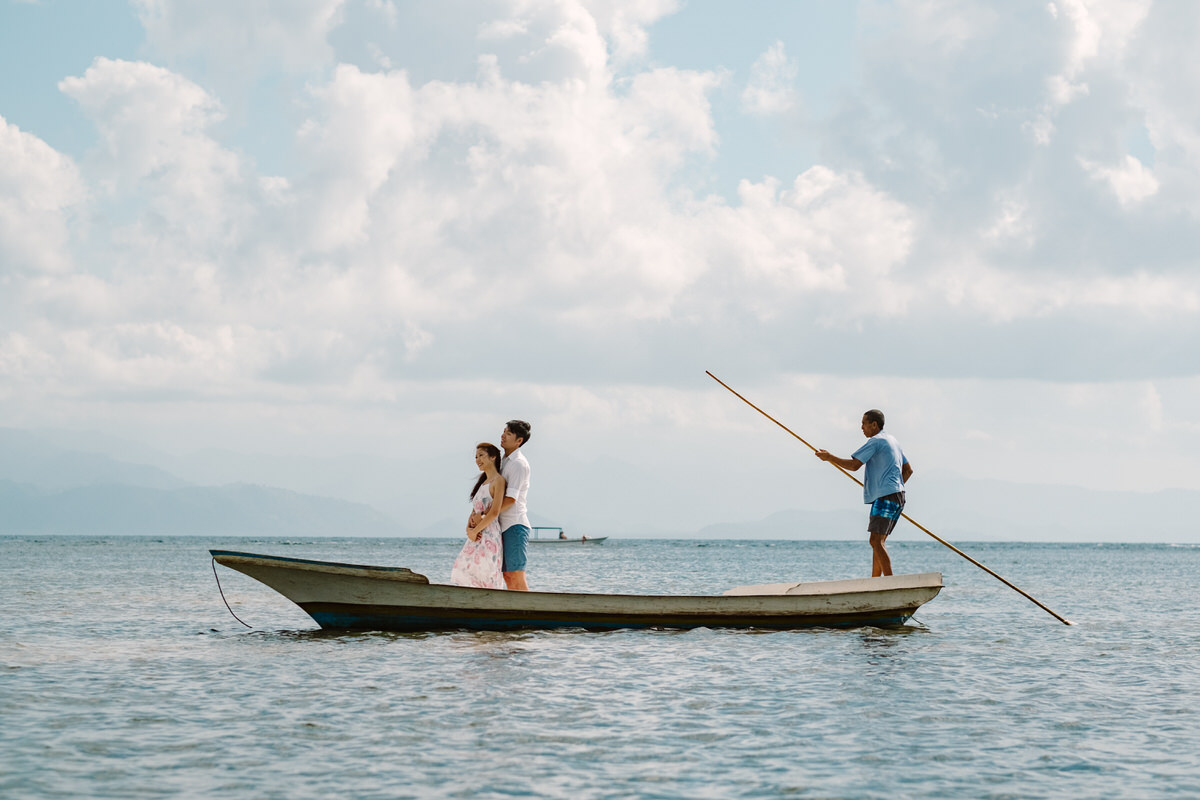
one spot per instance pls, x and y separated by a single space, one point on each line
888 471
514 521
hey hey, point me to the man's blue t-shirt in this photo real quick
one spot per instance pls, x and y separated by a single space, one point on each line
884 460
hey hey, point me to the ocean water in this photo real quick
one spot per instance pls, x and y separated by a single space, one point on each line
123 675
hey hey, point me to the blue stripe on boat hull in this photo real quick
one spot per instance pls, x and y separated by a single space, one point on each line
337 617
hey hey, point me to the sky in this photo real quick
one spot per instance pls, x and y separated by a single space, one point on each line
315 228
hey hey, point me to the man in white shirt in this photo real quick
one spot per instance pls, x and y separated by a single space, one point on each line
514 520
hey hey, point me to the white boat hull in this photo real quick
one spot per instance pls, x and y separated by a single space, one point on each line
348 596
589 540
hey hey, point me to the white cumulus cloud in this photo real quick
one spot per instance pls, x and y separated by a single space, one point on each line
772 85
38 187
240 37
1129 179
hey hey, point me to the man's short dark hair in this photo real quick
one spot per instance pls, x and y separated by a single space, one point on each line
876 416
518 428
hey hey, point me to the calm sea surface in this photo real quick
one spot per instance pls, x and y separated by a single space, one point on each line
122 675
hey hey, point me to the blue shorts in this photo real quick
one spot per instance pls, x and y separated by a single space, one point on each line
885 513
516 540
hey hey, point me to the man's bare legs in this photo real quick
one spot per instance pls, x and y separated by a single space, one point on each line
515 581
881 562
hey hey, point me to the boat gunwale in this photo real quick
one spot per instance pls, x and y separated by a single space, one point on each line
402 574
926 580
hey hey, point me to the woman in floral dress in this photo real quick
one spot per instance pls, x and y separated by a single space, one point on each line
478 563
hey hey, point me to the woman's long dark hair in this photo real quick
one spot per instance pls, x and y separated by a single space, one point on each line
493 453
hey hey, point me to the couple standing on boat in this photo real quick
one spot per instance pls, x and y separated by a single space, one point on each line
498 527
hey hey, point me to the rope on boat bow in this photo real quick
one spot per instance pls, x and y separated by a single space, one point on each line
222 591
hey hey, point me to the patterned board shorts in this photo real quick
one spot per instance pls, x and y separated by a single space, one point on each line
885 513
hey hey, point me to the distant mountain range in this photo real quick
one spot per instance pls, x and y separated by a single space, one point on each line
64 482
29 458
959 509
193 510
45 488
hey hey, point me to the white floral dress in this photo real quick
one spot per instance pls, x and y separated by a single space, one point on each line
478 563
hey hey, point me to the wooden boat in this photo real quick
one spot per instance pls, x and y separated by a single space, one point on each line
560 537
355 597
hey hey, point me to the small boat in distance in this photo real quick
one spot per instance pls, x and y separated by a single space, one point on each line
355 597
560 537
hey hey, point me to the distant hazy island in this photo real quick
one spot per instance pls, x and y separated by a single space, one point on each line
49 487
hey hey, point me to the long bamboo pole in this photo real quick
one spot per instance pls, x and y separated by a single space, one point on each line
998 577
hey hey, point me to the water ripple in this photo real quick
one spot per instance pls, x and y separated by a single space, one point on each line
124 676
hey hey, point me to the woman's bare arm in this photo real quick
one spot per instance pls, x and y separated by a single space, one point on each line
497 492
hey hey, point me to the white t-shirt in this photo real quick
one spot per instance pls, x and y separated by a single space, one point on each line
515 470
